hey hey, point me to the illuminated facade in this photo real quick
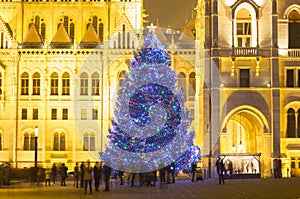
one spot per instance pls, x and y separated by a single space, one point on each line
62 64
251 80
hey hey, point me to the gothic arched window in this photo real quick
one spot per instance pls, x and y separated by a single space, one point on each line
97 25
25 84
192 86
59 143
84 84
39 25
95 84
66 84
182 83
243 28
54 84
291 124
36 84
89 141
294 29
121 78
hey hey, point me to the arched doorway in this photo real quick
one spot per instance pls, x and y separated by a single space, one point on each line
242 142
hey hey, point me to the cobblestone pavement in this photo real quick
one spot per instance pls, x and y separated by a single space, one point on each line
182 189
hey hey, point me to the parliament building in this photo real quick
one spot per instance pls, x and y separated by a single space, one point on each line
62 64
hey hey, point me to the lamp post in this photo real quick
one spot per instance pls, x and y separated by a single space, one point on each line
36 132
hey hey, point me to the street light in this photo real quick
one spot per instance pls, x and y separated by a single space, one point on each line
36 132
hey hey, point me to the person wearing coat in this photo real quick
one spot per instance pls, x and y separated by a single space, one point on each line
87 176
63 174
107 172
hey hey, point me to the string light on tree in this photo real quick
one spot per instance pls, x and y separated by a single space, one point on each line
150 125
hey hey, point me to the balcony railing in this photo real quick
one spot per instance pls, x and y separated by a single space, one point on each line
245 51
294 52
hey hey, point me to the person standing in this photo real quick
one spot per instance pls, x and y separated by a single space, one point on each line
132 179
97 175
121 176
194 168
47 177
54 172
63 174
162 177
81 174
220 169
107 173
87 177
76 175
172 169
230 168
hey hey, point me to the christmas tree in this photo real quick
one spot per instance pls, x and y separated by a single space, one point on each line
150 125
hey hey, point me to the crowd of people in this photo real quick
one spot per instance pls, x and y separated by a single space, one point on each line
83 175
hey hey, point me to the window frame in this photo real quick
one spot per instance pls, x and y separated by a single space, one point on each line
53 113
25 83
54 84
36 84
84 84
66 84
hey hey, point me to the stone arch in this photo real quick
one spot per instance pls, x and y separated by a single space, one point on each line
242 126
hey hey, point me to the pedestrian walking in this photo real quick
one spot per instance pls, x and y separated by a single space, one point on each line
54 172
81 174
220 169
107 172
63 174
132 178
76 175
97 175
47 177
87 177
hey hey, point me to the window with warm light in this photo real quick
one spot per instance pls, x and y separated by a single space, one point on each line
26 141
95 84
95 114
35 114
89 141
83 113
59 143
24 113
54 84
66 84
25 84
84 84
243 28
36 84
53 114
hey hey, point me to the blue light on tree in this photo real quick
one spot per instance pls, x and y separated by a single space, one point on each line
150 125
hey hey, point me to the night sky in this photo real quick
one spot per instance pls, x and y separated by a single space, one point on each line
169 12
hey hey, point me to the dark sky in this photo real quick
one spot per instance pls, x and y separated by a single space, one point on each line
169 12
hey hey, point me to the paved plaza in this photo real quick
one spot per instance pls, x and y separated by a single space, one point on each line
210 189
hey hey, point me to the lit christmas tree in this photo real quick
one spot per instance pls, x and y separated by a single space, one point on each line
150 126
